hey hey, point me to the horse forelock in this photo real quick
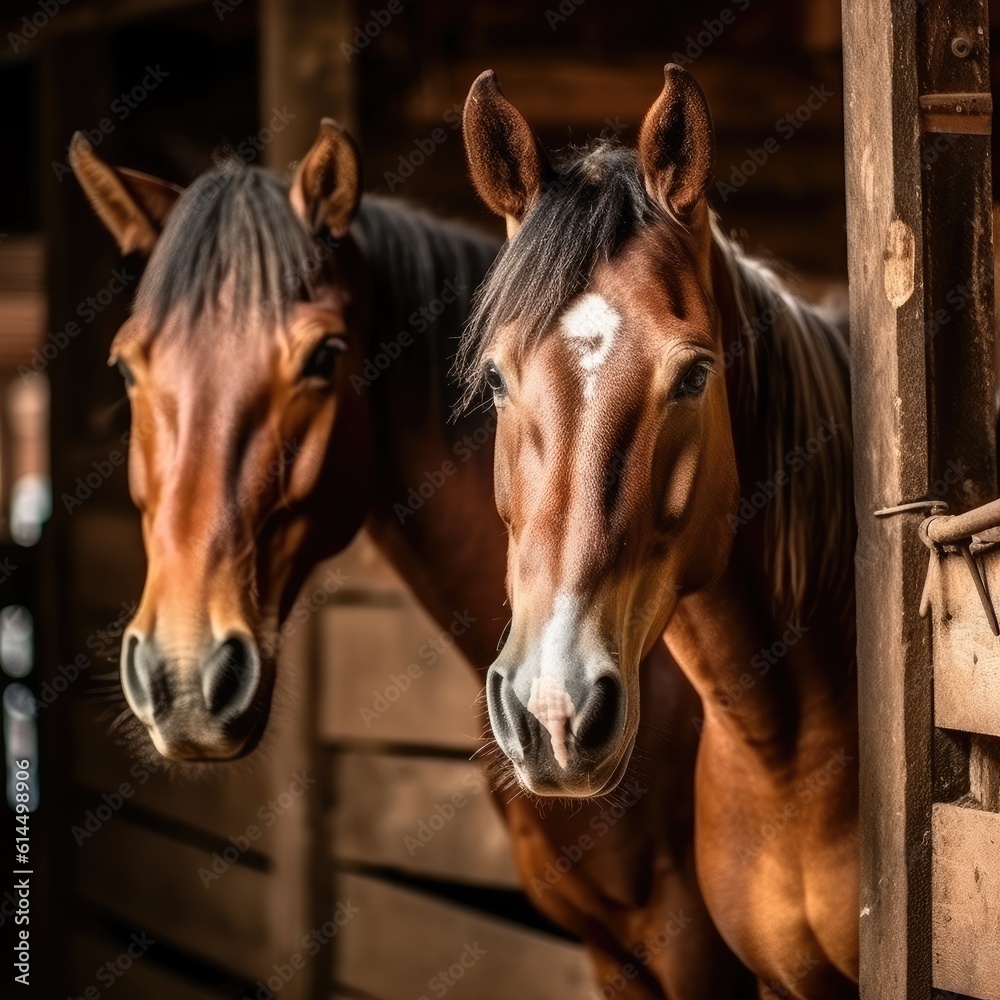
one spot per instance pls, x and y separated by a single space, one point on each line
232 246
596 201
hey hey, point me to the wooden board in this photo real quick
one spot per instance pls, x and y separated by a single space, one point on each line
224 803
966 901
433 818
383 680
400 940
152 882
143 979
966 653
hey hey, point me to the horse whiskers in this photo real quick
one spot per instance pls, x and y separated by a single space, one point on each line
485 749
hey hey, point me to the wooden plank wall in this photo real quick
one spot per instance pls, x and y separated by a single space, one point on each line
417 844
597 72
885 233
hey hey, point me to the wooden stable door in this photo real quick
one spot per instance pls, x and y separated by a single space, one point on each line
918 122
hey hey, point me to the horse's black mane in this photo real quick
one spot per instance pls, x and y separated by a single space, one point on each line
419 261
234 219
593 204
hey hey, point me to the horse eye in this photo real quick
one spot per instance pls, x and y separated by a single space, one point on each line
694 382
322 363
126 374
495 380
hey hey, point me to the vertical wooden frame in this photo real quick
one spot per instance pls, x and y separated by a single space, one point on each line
888 366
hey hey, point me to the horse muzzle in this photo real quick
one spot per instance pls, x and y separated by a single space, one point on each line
563 738
211 707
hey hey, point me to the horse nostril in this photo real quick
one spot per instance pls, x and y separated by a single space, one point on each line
507 715
230 677
598 719
135 681
517 716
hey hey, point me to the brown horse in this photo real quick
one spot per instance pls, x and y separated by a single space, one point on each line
674 452
268 426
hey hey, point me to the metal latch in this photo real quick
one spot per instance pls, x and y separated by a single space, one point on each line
940 529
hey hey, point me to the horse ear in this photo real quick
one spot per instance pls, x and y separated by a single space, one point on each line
327 187
132 205
676 144
507 162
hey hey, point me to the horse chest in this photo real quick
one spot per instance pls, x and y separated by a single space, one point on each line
772 858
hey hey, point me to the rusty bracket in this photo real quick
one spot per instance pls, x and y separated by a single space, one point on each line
939 529
957 114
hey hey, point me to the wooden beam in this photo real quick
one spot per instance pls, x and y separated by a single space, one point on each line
885 262
401 940
304 69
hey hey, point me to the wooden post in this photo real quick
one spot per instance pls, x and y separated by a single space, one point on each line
956 107
78 264
917 121
304 68
885 262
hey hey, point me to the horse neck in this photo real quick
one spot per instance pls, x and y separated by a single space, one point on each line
772 643
433 514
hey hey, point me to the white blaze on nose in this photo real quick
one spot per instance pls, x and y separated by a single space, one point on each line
551 704
590 326
549 701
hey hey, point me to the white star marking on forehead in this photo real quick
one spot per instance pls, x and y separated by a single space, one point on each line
590 325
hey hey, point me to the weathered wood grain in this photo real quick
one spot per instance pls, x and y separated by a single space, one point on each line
390 675
966 901
958 266
885 236
400 940
430 817
966 653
